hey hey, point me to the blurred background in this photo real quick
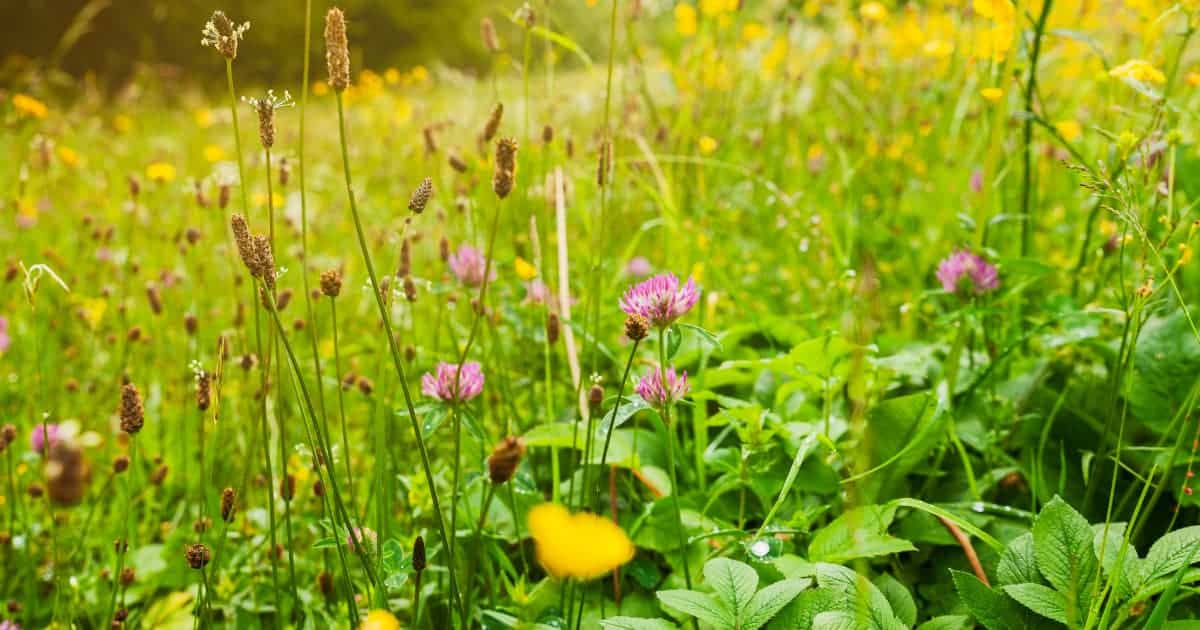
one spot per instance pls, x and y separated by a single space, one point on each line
112 41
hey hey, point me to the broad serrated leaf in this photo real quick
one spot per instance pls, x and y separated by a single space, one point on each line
1062 546
898 596
837 620
768 602
699 605
1042 600
991 609
635 623
947 622
733 582
1017 564
1116 554
858 533
1170 553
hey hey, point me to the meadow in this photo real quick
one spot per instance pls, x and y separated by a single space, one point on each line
779 314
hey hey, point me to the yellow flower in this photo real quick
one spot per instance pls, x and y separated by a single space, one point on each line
685 19
1185 253
1193 78
419 74
997 10
204 118
714 8
525 271
391 76
873 12
581 546
214 153
938 48
29 106
708 145
995 42
774 57
991 94
380 620
1069 129
160 172
260 199
1138 70
753 31
122 123
320 88
68 156
93 310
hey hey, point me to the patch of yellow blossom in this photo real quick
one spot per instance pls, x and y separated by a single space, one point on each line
380 620
160 172
581 546
26 105
707 145
524 269
1138 70
686 22
214 153
1070 130
68 156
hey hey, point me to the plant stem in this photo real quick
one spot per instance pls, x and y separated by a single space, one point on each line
1027 133
683 546
395 351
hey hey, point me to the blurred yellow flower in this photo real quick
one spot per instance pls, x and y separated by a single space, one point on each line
122 123
419 74
260 199
92 310
991 94
873 12
938 48
380 620
707 144
581 546
1069 129
204 118
995 42
29 106
1185 253
774 57
1138 70
997 10
1193 78
685 19
391 76
753 31
320 88
214 153
713 8
68 156
160 172
27 211
525 271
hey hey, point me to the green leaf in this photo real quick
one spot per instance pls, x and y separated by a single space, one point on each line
1017 564
635 623
768 602
836 620
991 609
704 334
804 609
1170 553
947 622
562 41
1042 600
1062 546
858 533
1116 554
734 582
674 340
699 605
898 596
1165 359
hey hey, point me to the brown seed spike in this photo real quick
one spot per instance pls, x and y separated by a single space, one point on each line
487 32
331 283
505 459
493 123
198 556
228 504
133 414
506 167
421 196
245 244
337 50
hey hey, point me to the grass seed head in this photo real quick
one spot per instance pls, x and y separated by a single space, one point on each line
493 122
197 556
337 50
228 504
133 414
421 196
223 35
331 283
506 167
487 32
505 458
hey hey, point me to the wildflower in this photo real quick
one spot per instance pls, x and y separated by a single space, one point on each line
133 414
5 340
707 144
873 12
160 172
266 107
223 35
964 270
996 10
68 156
43 436
991 94
536 292
442 386
29 106
9 625
653 391
506 167
976 181
1069 129
505 458
420 196
638 267
364 535
197 556
660 299
1138 70
468 265
337 50
380 620
525 271
685 19
581 546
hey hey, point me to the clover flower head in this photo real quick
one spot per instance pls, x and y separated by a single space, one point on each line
654 391
660 299
441 385
965 271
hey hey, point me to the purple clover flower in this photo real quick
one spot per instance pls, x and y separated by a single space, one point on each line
468 265
964 271
5 340
364 535
660 299
37 437
651 388
638 267
442 386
